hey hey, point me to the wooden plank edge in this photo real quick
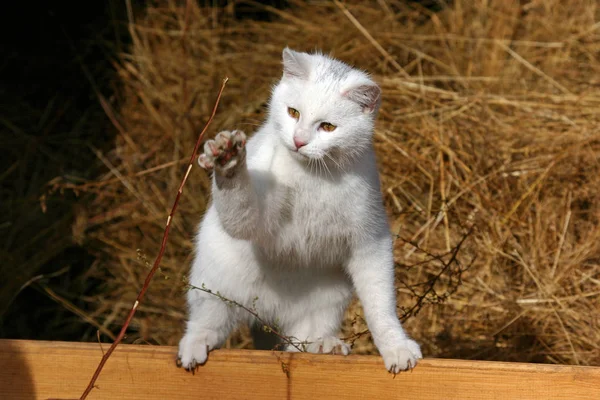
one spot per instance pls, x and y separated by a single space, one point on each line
42 370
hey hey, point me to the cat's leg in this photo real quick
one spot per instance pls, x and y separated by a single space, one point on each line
371 268
234 197
211 320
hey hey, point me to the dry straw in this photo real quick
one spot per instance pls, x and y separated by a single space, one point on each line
490 122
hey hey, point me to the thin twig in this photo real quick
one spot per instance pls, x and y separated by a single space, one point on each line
430 284
73 308
423 298
286 339
95 184
158 257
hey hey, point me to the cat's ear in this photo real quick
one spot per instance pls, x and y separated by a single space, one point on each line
295 64
368 96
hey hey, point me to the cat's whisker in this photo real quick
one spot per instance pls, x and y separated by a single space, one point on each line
326 167
312 165
335 162
321 167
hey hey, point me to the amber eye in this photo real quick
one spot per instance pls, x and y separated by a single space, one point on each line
293 113
327 127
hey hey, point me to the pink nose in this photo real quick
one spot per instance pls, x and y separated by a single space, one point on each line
299 143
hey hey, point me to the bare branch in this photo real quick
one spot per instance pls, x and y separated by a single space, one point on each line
158 257
298 345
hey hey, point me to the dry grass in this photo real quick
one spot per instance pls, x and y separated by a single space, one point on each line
490 119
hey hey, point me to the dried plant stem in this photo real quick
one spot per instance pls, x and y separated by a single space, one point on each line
371 39
158 257
533 68
451 270
285 339
429 289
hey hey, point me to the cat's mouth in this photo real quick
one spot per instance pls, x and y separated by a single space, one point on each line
310 157
300 155
304 154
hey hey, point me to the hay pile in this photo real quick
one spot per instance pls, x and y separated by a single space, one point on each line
489 125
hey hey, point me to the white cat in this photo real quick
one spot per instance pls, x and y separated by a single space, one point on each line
297 220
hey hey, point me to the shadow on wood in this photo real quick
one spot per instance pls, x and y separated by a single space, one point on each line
16 380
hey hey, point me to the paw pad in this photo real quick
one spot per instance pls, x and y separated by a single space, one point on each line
224 152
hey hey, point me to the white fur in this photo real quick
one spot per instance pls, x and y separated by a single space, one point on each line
291 231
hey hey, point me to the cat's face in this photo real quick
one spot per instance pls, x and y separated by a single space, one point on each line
322 108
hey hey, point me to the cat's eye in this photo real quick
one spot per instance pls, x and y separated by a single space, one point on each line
327 127
293 113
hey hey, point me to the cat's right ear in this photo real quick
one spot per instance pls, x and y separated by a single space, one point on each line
367 95
295 64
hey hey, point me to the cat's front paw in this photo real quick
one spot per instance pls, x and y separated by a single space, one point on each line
225 152
404 355
194 348
328 345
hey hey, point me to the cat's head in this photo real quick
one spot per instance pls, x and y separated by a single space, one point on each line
323 108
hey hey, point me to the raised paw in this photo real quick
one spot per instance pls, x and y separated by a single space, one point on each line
194 348
402 357
225 152
328 345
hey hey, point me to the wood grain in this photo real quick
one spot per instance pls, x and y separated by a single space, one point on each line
44 370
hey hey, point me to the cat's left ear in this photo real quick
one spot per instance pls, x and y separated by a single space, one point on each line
368 96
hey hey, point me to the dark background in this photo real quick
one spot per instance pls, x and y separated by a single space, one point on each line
55 60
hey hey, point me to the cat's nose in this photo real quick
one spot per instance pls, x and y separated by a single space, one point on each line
299 143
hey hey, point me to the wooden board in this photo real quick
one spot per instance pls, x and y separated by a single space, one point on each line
43 370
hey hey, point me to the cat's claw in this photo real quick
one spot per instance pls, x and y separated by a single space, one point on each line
225 152
194 349
328 345
402 357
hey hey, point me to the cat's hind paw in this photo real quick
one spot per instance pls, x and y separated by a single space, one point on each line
328 345
402 357
225 152
194 349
